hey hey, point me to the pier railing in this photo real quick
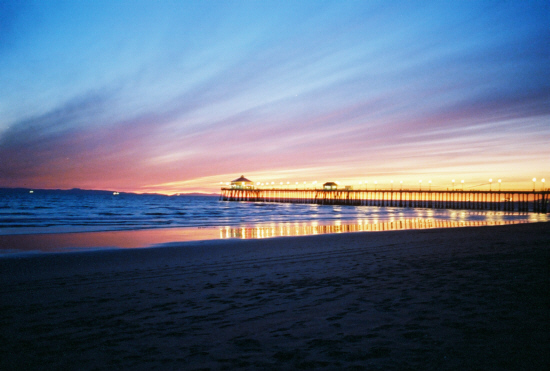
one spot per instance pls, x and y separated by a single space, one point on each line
522 201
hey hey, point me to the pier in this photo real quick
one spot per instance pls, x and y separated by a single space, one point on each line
521 201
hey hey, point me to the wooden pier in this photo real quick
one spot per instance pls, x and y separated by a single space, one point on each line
521 201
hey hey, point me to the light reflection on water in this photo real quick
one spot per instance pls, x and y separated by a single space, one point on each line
306 229
64 242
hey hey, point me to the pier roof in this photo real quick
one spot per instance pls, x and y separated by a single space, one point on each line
241 179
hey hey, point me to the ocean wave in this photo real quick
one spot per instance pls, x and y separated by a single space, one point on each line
72 212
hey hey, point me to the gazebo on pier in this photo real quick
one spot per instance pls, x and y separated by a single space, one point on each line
242 183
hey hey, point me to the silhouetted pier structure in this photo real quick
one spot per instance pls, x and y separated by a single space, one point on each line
521 201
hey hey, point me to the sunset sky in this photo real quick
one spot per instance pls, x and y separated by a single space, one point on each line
177 96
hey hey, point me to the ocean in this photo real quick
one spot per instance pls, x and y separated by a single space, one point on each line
183 218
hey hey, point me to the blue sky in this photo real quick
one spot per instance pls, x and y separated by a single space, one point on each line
175 96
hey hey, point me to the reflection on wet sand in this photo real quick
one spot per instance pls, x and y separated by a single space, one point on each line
82 241
305 229
63 242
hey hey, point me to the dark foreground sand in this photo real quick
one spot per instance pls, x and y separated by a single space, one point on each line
456 299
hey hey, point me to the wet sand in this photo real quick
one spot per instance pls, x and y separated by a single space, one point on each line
440 299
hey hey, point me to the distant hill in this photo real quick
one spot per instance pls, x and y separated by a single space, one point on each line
78 191
75 191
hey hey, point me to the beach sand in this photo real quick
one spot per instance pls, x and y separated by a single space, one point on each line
474 298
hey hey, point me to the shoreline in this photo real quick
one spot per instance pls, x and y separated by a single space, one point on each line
16 245
434 299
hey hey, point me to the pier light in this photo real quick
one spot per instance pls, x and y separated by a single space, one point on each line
401 185
391 182
543 180
430 184
462 181
453 181
534 182
420 183
490 185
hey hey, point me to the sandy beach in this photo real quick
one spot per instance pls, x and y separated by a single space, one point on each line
473 298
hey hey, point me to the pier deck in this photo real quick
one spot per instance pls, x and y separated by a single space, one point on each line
521 201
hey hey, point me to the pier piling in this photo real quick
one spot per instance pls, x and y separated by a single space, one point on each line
521 201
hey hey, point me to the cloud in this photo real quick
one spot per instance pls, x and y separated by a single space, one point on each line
44 145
